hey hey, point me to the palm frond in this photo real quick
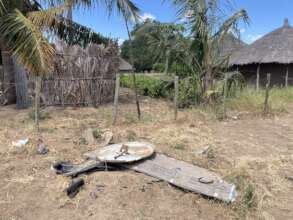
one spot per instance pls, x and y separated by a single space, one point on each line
231 23
2 7
46 19
125 7
25 40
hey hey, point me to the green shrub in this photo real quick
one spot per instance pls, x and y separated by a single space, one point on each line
97 133
163 87
159 67
189 93
147 85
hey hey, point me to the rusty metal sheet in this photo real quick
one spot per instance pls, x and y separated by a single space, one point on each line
186 176
123 152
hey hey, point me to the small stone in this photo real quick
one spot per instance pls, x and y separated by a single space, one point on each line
42 149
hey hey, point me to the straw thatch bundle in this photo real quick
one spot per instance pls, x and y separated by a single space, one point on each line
81 76
229 45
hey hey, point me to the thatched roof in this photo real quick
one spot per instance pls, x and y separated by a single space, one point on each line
275 47
124 65
229 45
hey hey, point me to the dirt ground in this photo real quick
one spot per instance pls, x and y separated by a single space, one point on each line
250 151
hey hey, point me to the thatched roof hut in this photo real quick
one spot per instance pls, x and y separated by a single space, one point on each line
229 45
124 66
273 53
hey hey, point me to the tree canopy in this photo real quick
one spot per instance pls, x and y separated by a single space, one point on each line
154 45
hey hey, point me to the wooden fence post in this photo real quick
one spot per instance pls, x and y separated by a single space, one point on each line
176 88
38 82
225 95
116 97
286 77
266 103
257 77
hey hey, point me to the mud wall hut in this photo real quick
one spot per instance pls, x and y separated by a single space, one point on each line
273 53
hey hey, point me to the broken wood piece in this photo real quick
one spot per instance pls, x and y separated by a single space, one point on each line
74 187
186 176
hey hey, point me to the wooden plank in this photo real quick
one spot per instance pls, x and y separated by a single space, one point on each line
186 176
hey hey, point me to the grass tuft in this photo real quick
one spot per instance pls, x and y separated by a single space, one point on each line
247 200
253 101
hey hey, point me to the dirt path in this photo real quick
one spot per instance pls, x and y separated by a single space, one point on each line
257 150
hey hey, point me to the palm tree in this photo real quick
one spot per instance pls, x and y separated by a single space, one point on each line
22 42
22 23
208 29
165 39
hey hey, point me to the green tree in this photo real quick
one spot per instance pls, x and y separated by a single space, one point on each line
165 40
154 43
207 30
22 42
143 55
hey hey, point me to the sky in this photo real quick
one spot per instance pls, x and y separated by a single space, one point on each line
265 16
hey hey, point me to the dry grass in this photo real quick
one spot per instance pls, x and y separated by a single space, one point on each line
253 101
254 153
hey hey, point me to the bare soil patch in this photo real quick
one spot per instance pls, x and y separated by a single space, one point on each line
253 150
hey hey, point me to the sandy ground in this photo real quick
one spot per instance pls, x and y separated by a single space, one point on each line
252 150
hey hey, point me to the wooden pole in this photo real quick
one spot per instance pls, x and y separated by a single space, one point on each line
287 76
266 103
38 81
116 97
132 63
176 88
257 77
225 96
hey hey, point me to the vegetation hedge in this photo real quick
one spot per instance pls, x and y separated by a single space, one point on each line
163 87
148 85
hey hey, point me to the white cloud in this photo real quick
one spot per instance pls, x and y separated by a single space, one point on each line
253 37
120 41
146 16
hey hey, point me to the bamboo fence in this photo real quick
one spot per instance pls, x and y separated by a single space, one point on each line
81 77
